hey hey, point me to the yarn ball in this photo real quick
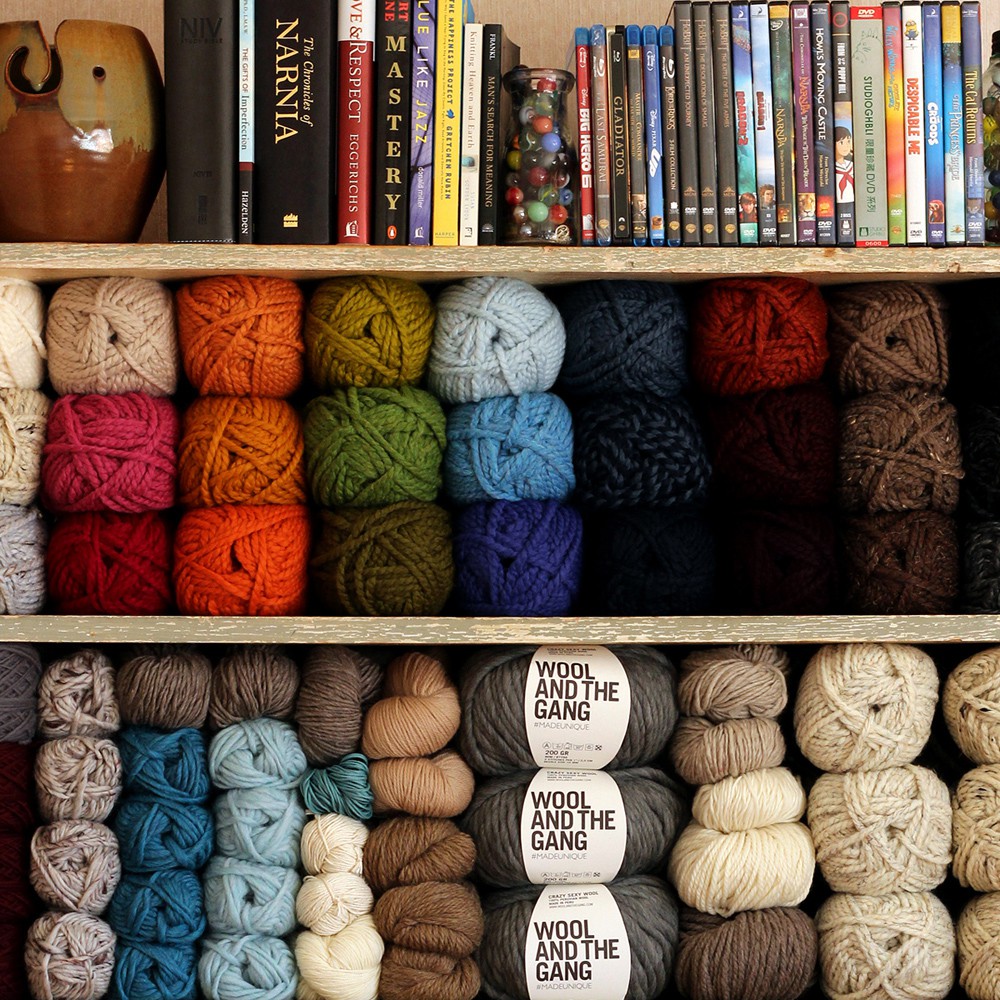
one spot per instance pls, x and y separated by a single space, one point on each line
22 323
241 335
493 735
651 562
624 336
520 558
20 670
713 956
339 685
747 801
332 844
978 941
900 945
328 902
259 824
420 975
250 967
18 903
242 560
256 752
69 956
510 448
241 449
246 897
76 696
494 336
648 910
252 682
418 712
970 703
777 447
439 786
638 451
77 777
885 831
164 907
147 971
339 788
109 563
344 965
408 850
704 752
23 537
384 561
368 330
165 686
154 834
980 436
865 706
745 681
112 335
976 829
23 417
654 813
75 865
13 975
371 447
168 764
901 564
442 917
888 336
17 789
752 334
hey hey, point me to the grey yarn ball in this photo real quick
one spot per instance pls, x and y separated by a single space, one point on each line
23 540
648 908
493 735
655 812
20 672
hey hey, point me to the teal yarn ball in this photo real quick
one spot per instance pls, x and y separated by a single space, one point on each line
340 788
510 448
250 967
164 907
256 752
156 834
372 447
168 764
155 972
246 897
260 824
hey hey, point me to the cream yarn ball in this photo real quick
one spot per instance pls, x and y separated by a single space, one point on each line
76 696
328 902
978 938
69 956
895 947
23 417
971 706
344 965
747 801
78 777
734 682
333 843
976 829
22 346
864 706
75 865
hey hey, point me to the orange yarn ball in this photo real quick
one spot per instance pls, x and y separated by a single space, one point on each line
242 560
242 336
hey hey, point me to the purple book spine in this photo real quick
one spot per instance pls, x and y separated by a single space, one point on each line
802 101
422 121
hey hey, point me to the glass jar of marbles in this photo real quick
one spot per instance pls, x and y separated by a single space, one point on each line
540 172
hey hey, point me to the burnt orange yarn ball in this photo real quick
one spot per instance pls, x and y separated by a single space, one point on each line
241 450
242 336
242 560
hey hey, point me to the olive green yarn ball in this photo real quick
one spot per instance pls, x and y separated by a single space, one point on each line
371 447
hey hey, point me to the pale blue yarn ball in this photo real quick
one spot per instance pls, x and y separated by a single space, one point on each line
154 972
256 752
250 967
246 897
156 834
260 824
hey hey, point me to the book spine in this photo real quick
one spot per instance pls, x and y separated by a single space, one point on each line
671 154
245 208
585 136
654 133
447 138
636 135
954 148
743 117
725 131
621 207
933 121
199 58
468 188
972 78
913 109
687 123
895 122
826 207
490 146
708 170
843 122
804 150
602 134
424 47
392 121
763 118
868 86
784 112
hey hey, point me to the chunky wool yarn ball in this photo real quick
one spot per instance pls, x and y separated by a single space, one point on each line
970 703
327 903
407 973
705 752
77 777
751 334
165 763
765 797
23 540
408 850
247 966
253 682
23 417
163 907
20 670
978 939
980 433
748 681
166 687
510 448
22 323
112 335
245 897
440 786
443 917
372 447
494 337
155 834
242 336
69 956
76 696
256 752
261 824
144 969
976 813
75 865
333 843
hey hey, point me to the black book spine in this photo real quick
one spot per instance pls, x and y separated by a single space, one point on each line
200 39
687 124
705 99
621 207
725 130
636 137
490 145
671 159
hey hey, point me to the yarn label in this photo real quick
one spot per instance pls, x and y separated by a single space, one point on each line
577 701
573 827
577 945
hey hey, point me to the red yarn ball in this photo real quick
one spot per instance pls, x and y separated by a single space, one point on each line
751 334
13 977
17 789
17 901
107 563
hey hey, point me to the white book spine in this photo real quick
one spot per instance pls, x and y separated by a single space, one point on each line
472 57
913 112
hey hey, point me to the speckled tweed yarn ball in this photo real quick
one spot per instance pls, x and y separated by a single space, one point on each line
23 541
494 337
78 777
22 322
745 681
23 417
978 939
705 752
252 682
69 956
976 829
970 703
165 686
75 865
865 706
20 670
76 696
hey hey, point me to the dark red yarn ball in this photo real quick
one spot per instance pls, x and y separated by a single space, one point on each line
17 789
13 978
17 901
107 563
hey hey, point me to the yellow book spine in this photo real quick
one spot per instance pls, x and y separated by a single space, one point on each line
447 122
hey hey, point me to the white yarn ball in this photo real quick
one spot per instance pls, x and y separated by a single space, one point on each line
22 346
978 939
327 903
23 541
23 417
344 965
333 843
751 800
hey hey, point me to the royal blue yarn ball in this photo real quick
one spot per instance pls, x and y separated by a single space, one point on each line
510 448
155 972
163 907
155 834
522 558
168 764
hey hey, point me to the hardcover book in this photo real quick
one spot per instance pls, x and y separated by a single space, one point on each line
934 140
725 131
671 155
585 138
826 205
895 125
868 87
601 117
784 114
760 53
687 123
972 78
843 122
954 120
244 206
708 168
500 55
468 188
913 113
654 134
424 47
636 135
621 206
804 149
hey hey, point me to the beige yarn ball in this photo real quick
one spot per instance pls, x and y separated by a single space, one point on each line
22 347
864 706
333 843
23 417
976 829
75 865
725 873
971 706
734 682
76 696
327 903
881 831
895 947
978 939
344 965
78 777
757 798
69 956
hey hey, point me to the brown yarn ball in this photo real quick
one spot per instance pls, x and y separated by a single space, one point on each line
440 786
418 712
757 955
76 696
970 704
69 956
704 752
75 865
167 687
337 687
408 850
734 682
78 777
976 829
252 682
441 917
418 975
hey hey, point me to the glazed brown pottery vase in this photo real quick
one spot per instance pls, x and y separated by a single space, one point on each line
81 132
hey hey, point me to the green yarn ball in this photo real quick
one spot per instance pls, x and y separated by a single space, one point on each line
371 447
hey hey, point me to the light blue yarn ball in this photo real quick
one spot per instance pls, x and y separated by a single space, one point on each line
246 897
340 788
510 448
154 972
256 752
168 764
164 907
260 824
250 967
155 834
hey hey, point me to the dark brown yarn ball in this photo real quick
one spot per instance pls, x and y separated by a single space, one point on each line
899 451
888 335
409 850
775 447
981 460
165 686
418 975
901 564
441 917
253 682
981 568
757 955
